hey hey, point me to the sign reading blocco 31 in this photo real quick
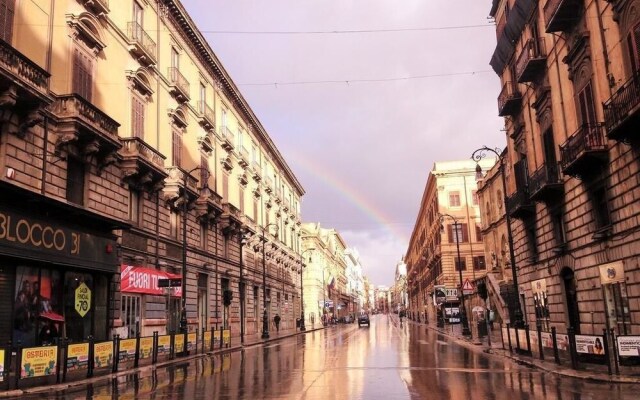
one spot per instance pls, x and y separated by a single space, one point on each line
47 240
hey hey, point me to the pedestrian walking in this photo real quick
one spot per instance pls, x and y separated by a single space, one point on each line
276 320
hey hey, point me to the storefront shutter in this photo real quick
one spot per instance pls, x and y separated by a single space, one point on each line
7 284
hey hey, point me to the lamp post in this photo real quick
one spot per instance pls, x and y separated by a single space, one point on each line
478 155
302 326
265 318
185 207
463 314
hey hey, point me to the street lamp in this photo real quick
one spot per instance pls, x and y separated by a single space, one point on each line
458 230
478 155
302 327
185 206
265 318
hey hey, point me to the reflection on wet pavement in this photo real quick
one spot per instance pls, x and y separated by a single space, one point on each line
384 361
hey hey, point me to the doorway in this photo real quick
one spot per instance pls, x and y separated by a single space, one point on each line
570 292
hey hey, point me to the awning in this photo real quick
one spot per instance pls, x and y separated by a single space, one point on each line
52 316
134 279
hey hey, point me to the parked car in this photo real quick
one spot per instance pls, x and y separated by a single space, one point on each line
363 319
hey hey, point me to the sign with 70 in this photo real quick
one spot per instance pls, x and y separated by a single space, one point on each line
83 299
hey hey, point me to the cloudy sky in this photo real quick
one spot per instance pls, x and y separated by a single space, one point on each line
362 97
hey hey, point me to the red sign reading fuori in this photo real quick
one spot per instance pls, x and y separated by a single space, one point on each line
145 280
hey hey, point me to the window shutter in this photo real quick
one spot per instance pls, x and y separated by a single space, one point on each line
7 11
634 48
478 233
450 233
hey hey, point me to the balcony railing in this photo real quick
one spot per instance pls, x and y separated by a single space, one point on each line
586 146
142 163
519 204
560 15
244 156
144 46
227 138
622 111
545 182
531 61
179 84
207 115
509 100
18 68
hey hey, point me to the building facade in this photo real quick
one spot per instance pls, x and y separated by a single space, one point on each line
570 99
448 222
126 153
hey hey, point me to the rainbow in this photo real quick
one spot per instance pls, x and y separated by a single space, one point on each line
323 174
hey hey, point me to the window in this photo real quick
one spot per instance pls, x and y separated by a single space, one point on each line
530 229
175 58
454 199
240 137
587 111
75 181
204 236
138 14
176 145
478 263
633 44
134 206
458 233
223 117
174 223
558 226
131 313
474 197
600 206
203 93
204 171
255 209
137 116
82 74
461 264
7 11
478 233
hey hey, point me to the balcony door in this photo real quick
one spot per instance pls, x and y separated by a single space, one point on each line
633 45
138 14
550 159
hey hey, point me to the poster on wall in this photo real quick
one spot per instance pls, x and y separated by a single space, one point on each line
127 350
164 345
146 347
522 338
563 342
103 354
207 341
191 341
77 356
178 343
590 349
38 361
628 350
226 337
547 340
216 338
2 365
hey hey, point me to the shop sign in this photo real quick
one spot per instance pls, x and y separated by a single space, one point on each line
77 356
83 299
146 281
38 361
612 272
164 344
127 349
103 354
146 346
45 240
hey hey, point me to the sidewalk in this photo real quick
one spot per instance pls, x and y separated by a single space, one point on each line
254 339
455 333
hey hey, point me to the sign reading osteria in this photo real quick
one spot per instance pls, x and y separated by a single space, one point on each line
47 240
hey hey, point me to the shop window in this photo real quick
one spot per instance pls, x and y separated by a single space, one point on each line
7 12
75 181
454 199
131 315
479 263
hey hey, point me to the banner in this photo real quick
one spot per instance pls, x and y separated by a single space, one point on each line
178 343
547 340
563 341
207 341
103 354
38 361
587 344
216 338
628 350
145 280
146 347
164 345
127 350
226 337
77 356
191 341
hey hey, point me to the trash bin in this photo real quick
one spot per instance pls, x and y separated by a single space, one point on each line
482 328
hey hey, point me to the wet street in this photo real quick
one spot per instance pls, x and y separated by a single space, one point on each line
385 361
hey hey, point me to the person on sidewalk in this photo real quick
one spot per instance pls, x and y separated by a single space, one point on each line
276 320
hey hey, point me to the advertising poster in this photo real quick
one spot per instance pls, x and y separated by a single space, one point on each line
207 340
512 335
547 340
522 337
127 350
146 347
77 356
191 341
216 338
587 344
1 365
629 350
38 361
226 337
505 336
533 337
563 342
103 354
164 345
178 343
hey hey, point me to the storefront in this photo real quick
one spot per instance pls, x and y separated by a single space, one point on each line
56 265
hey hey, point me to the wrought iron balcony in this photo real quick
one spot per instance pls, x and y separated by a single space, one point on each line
143 46
584 150
560 15
142 165
97 6
545 183
622 112
519 204
179 85
206 115
227 138
531 61
509 100
24 78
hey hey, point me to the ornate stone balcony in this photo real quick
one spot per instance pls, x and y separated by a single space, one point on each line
142 166
227 138
509 100
179 187
622 112
231 219
531 61
141 44
584 151
268 184
98 7
179 85
83 125
257 171
560 15
243 157
206 116
209 205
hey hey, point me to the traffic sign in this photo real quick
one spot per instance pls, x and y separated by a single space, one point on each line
467 287
173 282
83 299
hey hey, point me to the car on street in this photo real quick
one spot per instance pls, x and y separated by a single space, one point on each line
363 319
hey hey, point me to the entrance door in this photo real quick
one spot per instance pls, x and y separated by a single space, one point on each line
131 315
203 301
570 293
617 304
173 314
